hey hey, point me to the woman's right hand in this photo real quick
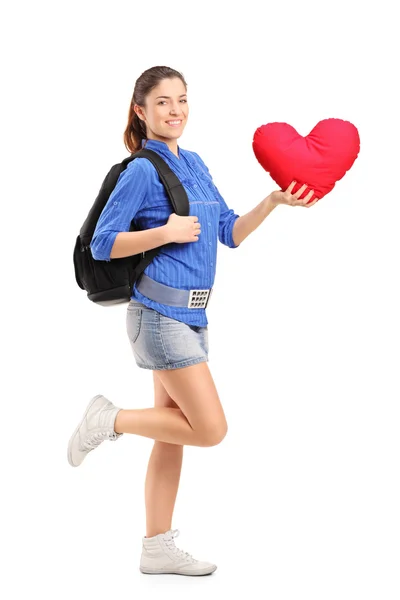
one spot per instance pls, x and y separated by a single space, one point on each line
182 229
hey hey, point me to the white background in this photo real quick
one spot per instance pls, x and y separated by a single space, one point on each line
301 500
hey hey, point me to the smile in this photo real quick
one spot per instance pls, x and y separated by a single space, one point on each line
174 123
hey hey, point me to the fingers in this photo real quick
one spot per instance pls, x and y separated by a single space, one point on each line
306 201
300 191
197 226
294 199
312 203
308 197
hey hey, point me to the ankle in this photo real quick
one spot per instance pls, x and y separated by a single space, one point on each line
119 422
153 532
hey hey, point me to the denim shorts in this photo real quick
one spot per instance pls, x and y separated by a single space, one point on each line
159 342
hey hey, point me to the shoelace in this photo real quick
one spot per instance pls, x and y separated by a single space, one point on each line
96 438
170 542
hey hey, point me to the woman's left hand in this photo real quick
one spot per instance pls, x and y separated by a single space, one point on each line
286 197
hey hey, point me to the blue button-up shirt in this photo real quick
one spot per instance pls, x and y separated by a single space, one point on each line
140 195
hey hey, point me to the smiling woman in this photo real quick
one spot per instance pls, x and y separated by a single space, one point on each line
159 107
166 320
166 317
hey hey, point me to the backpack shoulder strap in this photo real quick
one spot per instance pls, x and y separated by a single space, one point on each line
174 188
175 191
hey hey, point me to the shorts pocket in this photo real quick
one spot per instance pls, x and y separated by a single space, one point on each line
133 322
195 328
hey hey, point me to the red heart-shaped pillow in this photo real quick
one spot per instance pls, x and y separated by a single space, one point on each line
319 159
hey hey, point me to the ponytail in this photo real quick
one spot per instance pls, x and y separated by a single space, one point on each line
135 131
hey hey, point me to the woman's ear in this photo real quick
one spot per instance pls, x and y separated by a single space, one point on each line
139 111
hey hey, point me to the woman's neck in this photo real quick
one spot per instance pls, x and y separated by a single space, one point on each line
172 144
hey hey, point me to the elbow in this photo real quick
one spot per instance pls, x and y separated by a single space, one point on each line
233 243
97 256
93 251
226 238
227 231
228 241
97 251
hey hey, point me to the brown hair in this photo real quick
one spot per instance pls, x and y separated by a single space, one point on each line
136 128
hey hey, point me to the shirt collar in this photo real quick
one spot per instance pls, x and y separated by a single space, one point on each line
158 145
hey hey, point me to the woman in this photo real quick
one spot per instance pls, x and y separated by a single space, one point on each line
166 323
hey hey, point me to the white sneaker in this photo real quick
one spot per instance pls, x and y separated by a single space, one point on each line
97 425
160 555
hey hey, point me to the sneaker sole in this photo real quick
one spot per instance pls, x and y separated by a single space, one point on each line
206 571
70 443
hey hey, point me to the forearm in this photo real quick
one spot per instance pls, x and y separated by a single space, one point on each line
247 223
128 243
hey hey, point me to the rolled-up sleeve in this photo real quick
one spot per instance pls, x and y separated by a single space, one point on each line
124 202
227 219
227 216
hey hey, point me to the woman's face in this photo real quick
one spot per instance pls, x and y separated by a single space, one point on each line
166 110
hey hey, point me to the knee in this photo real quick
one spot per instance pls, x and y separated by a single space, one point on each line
214 434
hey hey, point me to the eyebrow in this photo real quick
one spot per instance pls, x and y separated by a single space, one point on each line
169 97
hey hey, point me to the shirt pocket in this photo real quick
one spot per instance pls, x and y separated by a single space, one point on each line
192 188
159 199
208 185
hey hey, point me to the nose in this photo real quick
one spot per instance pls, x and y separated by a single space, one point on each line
175 109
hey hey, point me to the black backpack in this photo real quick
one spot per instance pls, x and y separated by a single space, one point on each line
111 282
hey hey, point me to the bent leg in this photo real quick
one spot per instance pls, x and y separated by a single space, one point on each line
199 420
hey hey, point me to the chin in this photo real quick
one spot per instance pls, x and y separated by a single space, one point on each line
174 133
173 136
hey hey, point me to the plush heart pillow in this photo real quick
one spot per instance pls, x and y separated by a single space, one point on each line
319 160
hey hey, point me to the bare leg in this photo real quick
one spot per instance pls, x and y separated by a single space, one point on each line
199 420
162 424
163 474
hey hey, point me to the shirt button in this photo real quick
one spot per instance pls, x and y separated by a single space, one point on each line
209 223
195 185
115 203
209 243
